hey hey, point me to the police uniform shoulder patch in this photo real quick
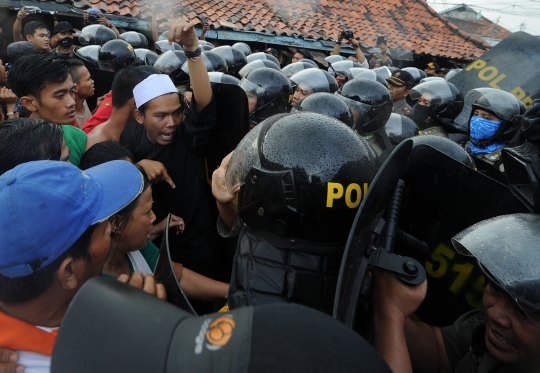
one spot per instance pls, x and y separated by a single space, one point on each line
407 111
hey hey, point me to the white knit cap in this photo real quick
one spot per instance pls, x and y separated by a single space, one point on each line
154 86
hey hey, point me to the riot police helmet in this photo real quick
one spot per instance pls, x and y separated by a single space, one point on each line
370 103
384 71
447 147
146 56
269 92
435 101
258 64
171 63
162 46
334 58
432 79
89 55
308 61
327 104
136 39
242 47
262 56
295 67
314 80
217 77
507 248
115 55
164 35
416 73
206 44
212 62
96 35
399 127
301 175
234 58
363 73
344 68
451 74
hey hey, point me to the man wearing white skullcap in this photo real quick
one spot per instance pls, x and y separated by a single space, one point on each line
170 147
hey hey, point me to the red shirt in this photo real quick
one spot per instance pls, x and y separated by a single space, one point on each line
103 113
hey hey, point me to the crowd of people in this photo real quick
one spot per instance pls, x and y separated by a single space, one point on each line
88 191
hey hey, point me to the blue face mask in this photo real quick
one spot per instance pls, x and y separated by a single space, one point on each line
483 129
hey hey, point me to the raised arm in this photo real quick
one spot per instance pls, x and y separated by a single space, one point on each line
184 32
17 26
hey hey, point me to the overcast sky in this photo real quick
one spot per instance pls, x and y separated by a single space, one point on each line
512 15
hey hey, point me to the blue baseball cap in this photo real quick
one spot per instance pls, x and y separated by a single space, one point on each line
48 205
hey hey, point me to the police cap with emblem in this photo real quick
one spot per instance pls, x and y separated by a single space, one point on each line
401 78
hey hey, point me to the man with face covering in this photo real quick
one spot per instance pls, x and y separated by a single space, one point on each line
63 38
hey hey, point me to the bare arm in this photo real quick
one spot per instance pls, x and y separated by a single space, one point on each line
17 26
200 287
205 28
185 33
337 47
226 204
359 55
153 25
426 348
384 58
106 22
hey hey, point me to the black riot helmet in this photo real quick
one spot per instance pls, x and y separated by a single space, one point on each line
171 63
302 175
295 67
162 46
89 55
256 65
96 35
234 58
334 58
435 102
431 79
206 44
216 77
212 62
206 48
242 47
399 127
114 55
146 56
164 35
508 250
363 73
416 73
447 147
344 68
384 71
136 39
327 104
315 80
496 101
262 56
370 103
271 90
18 49
451 74
311 62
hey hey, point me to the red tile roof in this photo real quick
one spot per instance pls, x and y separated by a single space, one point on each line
410 25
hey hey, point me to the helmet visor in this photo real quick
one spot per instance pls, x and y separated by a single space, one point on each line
508 247
435 92
501 103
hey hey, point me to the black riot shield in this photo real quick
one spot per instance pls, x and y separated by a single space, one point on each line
512 65
231 127
441 198
102 84
164 274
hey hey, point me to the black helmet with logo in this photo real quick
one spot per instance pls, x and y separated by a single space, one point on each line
271 90
362 73
370 103
315 80
136 39
96 35
295 67
162 46
115 55
327 104
171 63
234 58
256 65
344 68
146 56
89 55
242 47
508 250
302 175
262 56
399 127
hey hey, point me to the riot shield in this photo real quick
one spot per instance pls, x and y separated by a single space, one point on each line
512 65
164 274
442 197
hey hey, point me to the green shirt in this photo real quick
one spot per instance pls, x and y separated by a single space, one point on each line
150 253
75 139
